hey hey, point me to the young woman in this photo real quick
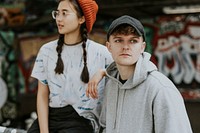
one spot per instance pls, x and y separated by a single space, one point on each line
63 68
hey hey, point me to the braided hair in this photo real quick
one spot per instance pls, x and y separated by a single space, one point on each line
85 73
60 65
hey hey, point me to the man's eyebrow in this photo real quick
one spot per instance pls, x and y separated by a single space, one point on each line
135 37
116 37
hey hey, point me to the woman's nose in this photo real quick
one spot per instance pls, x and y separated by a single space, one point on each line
59 17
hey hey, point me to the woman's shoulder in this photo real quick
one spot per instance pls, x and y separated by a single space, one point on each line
96 45
49 45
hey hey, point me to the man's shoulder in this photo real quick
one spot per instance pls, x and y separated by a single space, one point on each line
160 81
156 75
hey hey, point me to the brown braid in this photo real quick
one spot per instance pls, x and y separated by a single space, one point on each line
85 74
59 65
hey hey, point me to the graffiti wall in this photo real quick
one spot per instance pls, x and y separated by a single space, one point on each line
175 43
29 47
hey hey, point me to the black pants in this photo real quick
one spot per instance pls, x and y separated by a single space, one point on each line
64 120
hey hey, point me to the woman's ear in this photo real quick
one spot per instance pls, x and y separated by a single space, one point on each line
81 20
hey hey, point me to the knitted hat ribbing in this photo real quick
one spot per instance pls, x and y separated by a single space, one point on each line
90 9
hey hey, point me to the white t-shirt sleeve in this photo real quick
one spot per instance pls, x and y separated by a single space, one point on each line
39 71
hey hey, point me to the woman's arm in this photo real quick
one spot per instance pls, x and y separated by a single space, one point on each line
93 83
43 107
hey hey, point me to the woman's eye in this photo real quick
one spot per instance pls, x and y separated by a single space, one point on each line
56 13
64 13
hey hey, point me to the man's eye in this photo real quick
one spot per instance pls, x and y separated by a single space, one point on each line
133 41
117 41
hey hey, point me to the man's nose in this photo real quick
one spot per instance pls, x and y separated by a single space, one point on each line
125 46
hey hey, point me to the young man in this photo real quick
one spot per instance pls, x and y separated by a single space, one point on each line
138 98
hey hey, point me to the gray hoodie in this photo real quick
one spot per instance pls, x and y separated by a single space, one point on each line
148 102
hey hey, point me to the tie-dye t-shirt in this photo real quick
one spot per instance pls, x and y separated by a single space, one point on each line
67 88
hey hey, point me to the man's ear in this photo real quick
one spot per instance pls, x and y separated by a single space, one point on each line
143 46
108 45
82 20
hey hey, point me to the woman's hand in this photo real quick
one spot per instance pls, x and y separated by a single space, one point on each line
93 83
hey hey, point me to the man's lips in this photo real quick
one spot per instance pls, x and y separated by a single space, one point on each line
125 55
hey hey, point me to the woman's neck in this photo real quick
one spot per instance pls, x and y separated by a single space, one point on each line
72 44
72 39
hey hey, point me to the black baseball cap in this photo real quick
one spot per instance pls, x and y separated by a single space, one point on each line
125 19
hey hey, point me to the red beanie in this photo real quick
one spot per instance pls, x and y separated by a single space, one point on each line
90 9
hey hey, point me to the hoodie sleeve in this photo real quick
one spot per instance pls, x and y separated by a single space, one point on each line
169 112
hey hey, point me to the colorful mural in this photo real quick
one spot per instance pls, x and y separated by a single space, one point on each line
9 73
29 47
176 51
173 41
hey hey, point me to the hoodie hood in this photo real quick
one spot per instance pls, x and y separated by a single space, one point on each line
143 67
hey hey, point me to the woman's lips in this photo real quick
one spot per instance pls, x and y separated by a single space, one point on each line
60 26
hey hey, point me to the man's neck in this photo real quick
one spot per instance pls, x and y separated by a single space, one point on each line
125 71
